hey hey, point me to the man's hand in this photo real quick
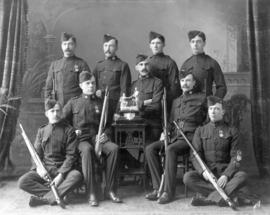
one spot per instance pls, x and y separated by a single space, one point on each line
58 179
222 181
162 136
99 93
78 133
205 176
103 138
42 173
147 102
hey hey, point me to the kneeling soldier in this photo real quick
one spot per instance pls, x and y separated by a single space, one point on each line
56 145
84 112
217 144
189 111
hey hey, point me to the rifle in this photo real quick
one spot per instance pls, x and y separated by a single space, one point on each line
102 123
40 165
165 132
53 86
209 174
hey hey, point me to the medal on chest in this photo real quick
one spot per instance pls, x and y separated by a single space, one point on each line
239 155
97 109
76 68
221 133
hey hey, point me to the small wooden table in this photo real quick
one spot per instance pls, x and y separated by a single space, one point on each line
131 136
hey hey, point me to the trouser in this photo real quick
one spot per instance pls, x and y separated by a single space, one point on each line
178 147
194 181
109 154
32 183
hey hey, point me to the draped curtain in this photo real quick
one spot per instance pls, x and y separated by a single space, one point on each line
13 41
258 29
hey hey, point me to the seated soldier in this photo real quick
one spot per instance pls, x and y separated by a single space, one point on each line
189 111
56 145
84 112
150 91
217 144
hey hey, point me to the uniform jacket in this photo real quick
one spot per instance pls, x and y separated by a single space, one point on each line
84 112
207 71
115 73
164 67
65 72
56 146
189 111
149 87
217 144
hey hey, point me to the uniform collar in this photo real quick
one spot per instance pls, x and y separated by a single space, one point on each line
217 124
190 92
144 77
159 54
69 58
113 58
91 97
199 55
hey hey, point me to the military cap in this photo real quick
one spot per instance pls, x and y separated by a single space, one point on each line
184 73
212 100
85 76
140 58
108 37
66 36
154 35
50 103
194 33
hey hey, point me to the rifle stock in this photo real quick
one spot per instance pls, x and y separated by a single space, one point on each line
165 132
40 165
210 175
101 123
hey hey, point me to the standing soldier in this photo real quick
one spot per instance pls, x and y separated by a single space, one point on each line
217 144
164 67
150 91
62 81
56 145
189 111
84 113
112 72
206 69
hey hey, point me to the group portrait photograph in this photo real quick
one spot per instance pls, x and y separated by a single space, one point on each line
134 107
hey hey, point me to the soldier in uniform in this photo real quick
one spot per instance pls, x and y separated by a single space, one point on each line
189 111
62 82
56 145
150 91
84 113
205 68
164 67
112 72
217 144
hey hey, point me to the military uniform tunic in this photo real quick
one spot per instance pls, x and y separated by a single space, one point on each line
207 71
150 87
164 67
56 146
114 73
217 144
189 111
84 113
63 76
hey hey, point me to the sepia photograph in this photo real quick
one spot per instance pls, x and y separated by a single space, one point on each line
140 107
